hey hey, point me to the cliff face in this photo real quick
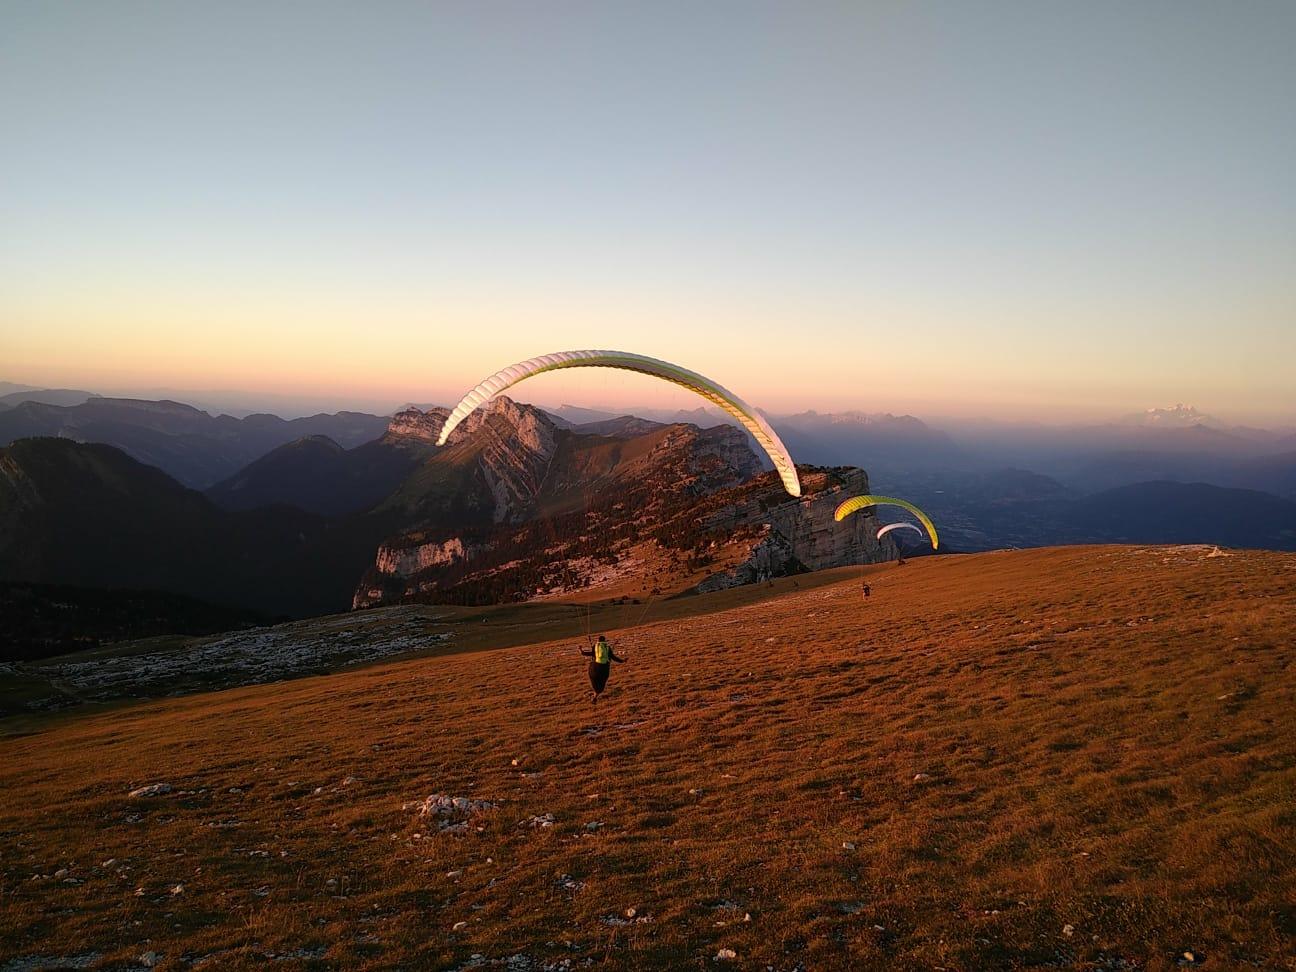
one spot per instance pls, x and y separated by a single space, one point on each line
406 561
414 423
495 463
517 447
801 534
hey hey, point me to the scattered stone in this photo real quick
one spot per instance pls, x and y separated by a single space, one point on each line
922 778
541 820
1068 930
152 790
452 875
593 825
247 657
726 955
349 780
178 889
441 805
459 926
62 872
452 813
149 959
632 918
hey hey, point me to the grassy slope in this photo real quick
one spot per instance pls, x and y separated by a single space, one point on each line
1107 732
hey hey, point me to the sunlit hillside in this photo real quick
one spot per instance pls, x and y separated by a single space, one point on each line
1063 758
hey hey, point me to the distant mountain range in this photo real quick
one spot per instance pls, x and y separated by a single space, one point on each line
46 396
1175 417
196 448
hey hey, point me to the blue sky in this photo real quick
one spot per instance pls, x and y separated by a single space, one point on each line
1041 209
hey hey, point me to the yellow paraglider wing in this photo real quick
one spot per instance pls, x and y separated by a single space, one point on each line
750 419
859 502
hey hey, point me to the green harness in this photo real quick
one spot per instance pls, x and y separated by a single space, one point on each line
602 652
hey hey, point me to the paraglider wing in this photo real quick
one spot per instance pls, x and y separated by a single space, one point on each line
859 502
899 526
750 419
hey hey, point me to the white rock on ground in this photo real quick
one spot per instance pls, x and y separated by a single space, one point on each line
152 790
452 813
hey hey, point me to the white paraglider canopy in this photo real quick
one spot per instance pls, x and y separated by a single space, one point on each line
748 417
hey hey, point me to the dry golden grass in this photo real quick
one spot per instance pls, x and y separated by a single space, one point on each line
1105 736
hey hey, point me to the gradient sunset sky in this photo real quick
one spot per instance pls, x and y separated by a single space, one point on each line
1045 209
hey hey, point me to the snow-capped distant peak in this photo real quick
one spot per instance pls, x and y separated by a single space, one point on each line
1178 416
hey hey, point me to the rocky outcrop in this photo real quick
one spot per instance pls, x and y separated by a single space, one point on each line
516 444
407 560
414 423
801 535
554 507
501 454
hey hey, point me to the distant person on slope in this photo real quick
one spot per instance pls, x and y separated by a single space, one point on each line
867 590
601 657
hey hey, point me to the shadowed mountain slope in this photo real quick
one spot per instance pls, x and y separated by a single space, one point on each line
317 475
91 516
41 620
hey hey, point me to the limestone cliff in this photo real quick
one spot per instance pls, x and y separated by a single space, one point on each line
801 534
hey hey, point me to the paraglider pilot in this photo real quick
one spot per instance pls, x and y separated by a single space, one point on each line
601 657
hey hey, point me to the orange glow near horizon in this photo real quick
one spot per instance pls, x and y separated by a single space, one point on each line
429 348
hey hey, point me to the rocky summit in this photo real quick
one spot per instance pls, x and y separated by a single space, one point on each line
632 510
